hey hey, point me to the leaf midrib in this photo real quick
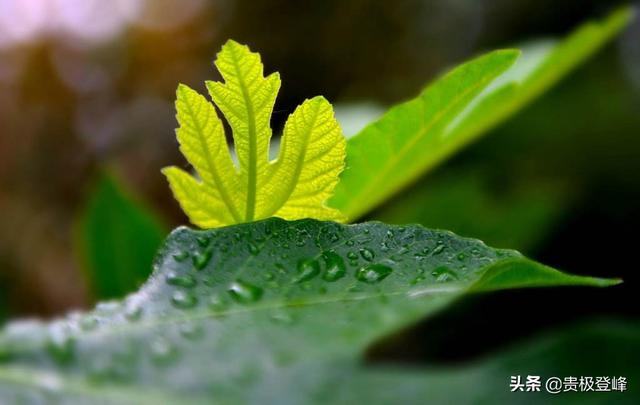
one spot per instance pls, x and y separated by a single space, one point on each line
252 170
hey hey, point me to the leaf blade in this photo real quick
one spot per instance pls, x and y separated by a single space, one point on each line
506 95
400 134
191 330
109 224
308 166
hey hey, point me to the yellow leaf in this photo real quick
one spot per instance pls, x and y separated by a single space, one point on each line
295 185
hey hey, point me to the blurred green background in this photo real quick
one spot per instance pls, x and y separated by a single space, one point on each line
86 123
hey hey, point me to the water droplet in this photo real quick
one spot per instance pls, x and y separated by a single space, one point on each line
88 323
438 249
162 352
253 249
281 268
349 242
461 256
307 269
203 241
282 317
200 260
417 280
243 292
334 267
182 256
373 273
107 307
133 312
444 273
191 330
185 281
209 281
60 345
352 256
367 254
217 303
334 238
183 299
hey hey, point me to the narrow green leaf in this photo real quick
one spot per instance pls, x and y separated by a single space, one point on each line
116 239
394 150
229 315
413 137
293 186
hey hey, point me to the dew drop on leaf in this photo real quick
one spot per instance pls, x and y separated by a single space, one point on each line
373 273
217 303
183 299
352 256
203 241
200 260
182 256
281 317
253 249
88 323
162 352
180 281
60 346
367 254
438 249
307 269
334 266
191 330
243 292
443 273
133 312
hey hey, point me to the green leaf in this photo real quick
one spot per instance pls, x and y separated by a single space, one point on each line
415 136
116 239
247 313
463 201
293 186
601 348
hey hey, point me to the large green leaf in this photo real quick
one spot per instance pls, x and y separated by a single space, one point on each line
256 312
413 137
116 239
597 349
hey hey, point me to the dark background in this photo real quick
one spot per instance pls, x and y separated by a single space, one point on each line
90 85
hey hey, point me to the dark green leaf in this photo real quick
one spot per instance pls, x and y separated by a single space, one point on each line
117 239
608 349
256 312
